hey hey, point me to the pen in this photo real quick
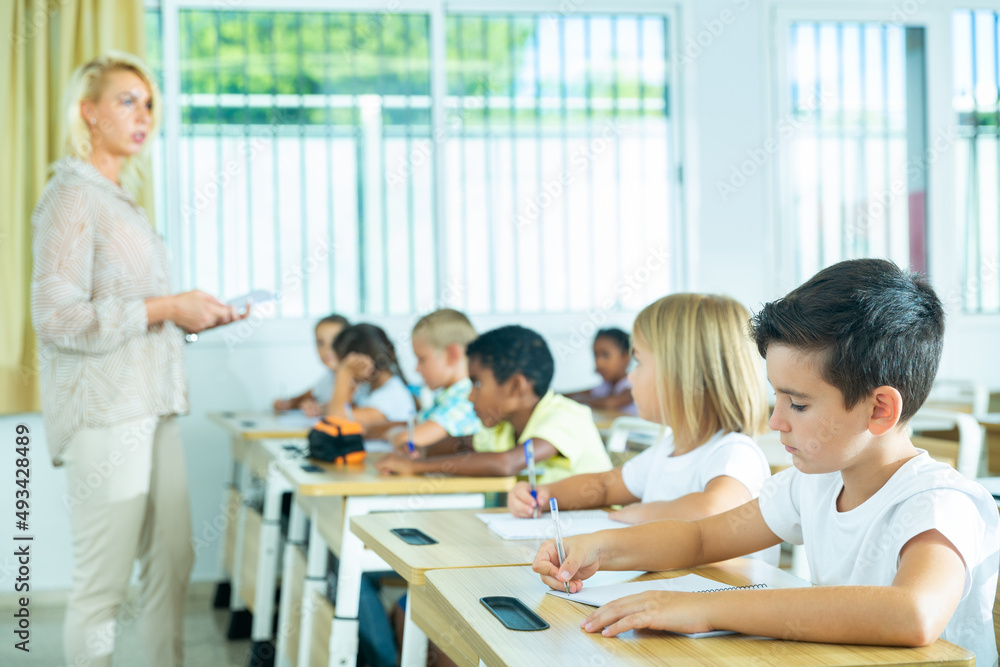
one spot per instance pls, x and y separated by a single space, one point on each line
529 459
409 433
554 509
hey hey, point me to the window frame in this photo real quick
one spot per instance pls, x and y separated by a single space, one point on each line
683 234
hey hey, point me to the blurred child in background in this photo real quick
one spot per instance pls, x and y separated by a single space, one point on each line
611 357
313 402
370 387
439 341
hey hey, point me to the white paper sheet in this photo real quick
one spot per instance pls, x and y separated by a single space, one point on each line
579 522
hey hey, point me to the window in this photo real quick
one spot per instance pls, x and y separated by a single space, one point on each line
857 182
977 105
306 161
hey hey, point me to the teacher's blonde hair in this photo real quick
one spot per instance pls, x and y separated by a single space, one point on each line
708 374
87 82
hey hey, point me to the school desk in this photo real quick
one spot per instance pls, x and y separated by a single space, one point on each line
991 425
457 592
241 546
463 541
329 499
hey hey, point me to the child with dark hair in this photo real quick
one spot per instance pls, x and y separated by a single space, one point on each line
314 401
612 353
371 382
904 549
511 369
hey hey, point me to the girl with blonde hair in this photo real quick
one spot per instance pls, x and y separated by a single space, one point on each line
697 373
111 357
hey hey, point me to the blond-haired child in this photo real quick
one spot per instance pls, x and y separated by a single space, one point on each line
697 373
439 340
904 548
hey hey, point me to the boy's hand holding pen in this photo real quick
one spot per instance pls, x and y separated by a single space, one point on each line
522 504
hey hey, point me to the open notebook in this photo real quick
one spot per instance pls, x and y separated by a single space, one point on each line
579 522
689 583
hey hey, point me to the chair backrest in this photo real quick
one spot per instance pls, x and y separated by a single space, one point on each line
622 427
970 437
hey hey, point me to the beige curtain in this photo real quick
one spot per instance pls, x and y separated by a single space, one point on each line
43 42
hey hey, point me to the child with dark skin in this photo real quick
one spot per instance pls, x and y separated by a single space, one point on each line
611 359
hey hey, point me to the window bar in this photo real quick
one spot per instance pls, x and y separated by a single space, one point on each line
487 156
332 304
861 246
278 282
588 130
797 112
640 53
192 247
618 152
996 107
246 138
408 155
818 113
564 118
359 166
383 122
539 221
516 244
463 141
303 217
887 139
219 199
846 224
972 254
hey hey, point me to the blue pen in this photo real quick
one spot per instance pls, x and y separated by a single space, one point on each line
560 549
409 434
529 459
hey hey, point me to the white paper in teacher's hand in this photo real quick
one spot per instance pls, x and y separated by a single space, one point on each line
254 298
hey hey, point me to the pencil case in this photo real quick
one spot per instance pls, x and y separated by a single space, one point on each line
337 440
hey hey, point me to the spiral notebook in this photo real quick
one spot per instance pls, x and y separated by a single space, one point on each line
599 596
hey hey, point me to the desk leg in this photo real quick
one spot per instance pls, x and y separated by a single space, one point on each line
414 653
296 538
315 583
267 555
344 629
239 620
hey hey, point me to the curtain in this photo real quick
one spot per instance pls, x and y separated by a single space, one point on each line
47 41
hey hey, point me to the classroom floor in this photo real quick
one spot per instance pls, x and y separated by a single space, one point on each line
204 637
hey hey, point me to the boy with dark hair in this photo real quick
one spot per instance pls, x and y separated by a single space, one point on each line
904 549
511 369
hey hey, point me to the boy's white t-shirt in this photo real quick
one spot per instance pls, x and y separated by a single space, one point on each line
861 547
656 475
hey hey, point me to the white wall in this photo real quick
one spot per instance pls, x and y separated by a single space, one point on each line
726 115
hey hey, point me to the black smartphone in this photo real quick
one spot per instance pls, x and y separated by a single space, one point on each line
413 536
513 613
308 467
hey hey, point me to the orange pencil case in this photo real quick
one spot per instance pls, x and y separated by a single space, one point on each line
337 440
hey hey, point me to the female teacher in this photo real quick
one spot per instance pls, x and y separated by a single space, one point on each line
111 352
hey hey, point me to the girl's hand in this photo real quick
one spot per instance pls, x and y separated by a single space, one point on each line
282 404
521 504
310 408
395 464
655 610
583 559
359 366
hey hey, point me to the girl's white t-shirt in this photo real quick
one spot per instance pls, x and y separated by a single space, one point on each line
655 475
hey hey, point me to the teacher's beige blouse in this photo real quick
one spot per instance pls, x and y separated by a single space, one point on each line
96 260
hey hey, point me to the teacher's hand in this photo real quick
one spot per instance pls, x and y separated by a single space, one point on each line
196 311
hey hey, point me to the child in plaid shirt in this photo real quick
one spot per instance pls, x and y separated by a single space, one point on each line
439 341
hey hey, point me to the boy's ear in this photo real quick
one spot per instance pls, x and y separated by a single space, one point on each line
518 385
453 353
887 406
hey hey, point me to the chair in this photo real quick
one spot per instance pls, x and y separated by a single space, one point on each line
959 395
970 436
